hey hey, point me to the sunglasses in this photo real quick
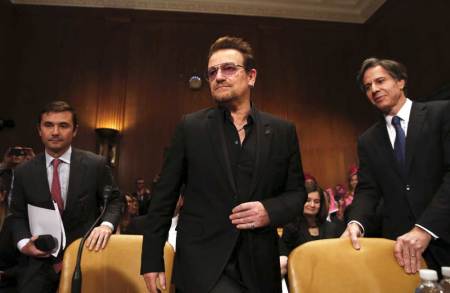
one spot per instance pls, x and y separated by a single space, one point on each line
227 69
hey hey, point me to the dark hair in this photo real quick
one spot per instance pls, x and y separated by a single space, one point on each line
395 69
57 107
322 215
235 43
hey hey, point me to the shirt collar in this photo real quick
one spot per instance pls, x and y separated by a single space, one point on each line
227 114
64 157
403 113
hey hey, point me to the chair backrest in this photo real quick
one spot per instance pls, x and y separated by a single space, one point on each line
114 269
333 265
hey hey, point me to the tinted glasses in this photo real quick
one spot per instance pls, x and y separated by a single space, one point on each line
227 69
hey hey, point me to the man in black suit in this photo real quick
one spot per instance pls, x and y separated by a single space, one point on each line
243 178
404 161
72 179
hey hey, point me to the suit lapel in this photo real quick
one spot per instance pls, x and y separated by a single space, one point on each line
263 139
76 177
415 125
216 134
42 179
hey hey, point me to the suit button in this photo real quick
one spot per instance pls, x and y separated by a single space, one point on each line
408 188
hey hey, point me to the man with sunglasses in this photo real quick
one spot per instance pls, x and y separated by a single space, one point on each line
243 178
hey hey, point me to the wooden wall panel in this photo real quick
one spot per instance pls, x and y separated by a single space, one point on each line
107 61
415 33
6 46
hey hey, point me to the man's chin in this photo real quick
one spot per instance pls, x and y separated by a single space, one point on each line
223 99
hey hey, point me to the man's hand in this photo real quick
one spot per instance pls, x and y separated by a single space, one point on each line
98 238
31 250
283 265
250 215
353 231
150 281
409 247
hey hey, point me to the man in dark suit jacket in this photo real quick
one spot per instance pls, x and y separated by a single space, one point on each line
75 184
243 178
411 175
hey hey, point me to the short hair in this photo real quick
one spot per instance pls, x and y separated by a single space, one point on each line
394 68
238 44
57 107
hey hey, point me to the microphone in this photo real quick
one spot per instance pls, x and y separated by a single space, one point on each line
7 123
46 242
77 276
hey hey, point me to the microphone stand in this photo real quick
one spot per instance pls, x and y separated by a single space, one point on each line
77 276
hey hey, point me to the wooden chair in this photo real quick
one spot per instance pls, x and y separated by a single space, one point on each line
114 269
333 265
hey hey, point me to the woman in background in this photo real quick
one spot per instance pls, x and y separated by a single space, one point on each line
311 225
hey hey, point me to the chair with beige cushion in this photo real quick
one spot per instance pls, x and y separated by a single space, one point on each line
114 269
332 265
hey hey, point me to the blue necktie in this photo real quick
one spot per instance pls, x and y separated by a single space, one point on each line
399 144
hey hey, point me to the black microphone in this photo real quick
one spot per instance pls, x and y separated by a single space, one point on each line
76 277
7 123
46 242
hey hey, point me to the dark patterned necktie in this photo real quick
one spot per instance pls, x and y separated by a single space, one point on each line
399 144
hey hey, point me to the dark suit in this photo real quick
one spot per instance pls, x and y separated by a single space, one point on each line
88 176
206 237
421 195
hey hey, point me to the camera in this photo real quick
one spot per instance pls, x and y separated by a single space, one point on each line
16 152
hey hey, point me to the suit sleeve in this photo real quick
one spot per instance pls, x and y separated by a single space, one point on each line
284 207
19 218
367 195
115 204
436 216
162 204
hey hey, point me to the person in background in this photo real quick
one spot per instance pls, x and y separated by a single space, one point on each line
9 255
311 224
131 211
310 181
142 194
13 157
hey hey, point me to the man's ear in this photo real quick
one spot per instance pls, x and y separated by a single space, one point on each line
252 77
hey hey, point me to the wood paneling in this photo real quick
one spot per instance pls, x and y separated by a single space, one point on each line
6 45
134 66
415 33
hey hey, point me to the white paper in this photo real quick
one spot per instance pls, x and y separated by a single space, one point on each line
45 221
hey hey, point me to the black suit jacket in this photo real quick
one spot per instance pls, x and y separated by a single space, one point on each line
205 235
422 195
88 176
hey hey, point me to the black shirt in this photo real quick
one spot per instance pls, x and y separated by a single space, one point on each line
242 156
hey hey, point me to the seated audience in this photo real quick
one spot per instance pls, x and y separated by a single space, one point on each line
310 181
12 158
352 182
142 194
131 210
311 225
8 252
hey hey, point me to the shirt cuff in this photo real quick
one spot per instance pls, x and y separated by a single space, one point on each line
107 224
22 243
361 227
428 231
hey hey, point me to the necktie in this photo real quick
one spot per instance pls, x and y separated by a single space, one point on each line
56 186
399 144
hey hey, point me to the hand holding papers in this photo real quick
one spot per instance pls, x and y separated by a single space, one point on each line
46 221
